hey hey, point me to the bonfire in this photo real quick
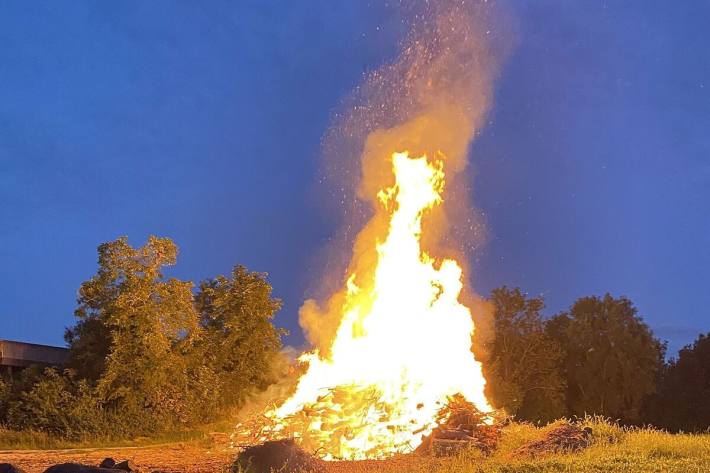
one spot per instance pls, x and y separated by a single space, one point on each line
402 351
399 364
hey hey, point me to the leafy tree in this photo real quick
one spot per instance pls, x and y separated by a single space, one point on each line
683 399
239 341
524 370
134 324
147 355
612 357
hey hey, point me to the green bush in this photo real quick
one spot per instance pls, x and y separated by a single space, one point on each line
57 404
147 355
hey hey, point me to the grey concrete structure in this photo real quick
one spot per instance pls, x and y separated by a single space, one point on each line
18 355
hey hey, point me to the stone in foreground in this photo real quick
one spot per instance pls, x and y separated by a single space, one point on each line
77 468
9 468
278 455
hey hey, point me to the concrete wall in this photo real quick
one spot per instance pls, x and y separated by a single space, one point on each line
20 354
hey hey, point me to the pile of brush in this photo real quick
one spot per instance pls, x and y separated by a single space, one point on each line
460 426
564 438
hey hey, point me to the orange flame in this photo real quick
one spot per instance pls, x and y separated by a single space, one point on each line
395 343
403 345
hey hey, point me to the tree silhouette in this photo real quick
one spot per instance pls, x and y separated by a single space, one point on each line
683 399
524 369
612 358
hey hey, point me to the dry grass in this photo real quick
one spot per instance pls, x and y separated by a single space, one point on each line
614 449
33 440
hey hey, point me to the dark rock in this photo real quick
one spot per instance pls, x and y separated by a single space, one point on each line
279 455
108 462
77 468
8 468
125 465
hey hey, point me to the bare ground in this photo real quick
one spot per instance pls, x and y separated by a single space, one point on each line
182 458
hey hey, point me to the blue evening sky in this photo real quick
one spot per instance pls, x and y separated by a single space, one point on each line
202 121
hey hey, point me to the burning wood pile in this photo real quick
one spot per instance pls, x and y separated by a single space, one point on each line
392 343
461 426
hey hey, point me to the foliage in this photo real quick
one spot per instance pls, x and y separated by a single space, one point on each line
12 387
238 341
133 326
683 399
149 356
612 358
57 404
146 355
524 370
5 396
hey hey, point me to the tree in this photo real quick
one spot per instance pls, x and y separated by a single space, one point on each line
524 370
134 325
147 355
612 357
239 341
683 399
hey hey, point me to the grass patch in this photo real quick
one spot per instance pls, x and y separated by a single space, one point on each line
33 440
29 440
614 449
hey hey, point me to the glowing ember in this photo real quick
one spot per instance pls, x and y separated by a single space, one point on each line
403 345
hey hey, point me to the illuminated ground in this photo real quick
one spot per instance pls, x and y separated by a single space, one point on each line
614 450
183 458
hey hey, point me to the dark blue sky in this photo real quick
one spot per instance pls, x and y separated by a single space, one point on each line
202 121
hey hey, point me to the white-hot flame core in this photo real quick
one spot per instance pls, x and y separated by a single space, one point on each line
406 341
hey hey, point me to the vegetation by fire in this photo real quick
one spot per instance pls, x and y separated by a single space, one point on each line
149 355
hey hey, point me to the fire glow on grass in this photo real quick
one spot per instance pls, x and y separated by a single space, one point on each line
403 346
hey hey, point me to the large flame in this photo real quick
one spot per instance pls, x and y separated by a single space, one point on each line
395 342
403 345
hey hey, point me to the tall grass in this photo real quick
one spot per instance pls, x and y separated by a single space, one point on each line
614 449
35 440
29 440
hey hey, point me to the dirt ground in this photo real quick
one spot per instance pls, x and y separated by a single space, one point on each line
174 458
182 458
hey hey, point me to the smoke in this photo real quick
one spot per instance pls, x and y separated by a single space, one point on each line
432 100
281 382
